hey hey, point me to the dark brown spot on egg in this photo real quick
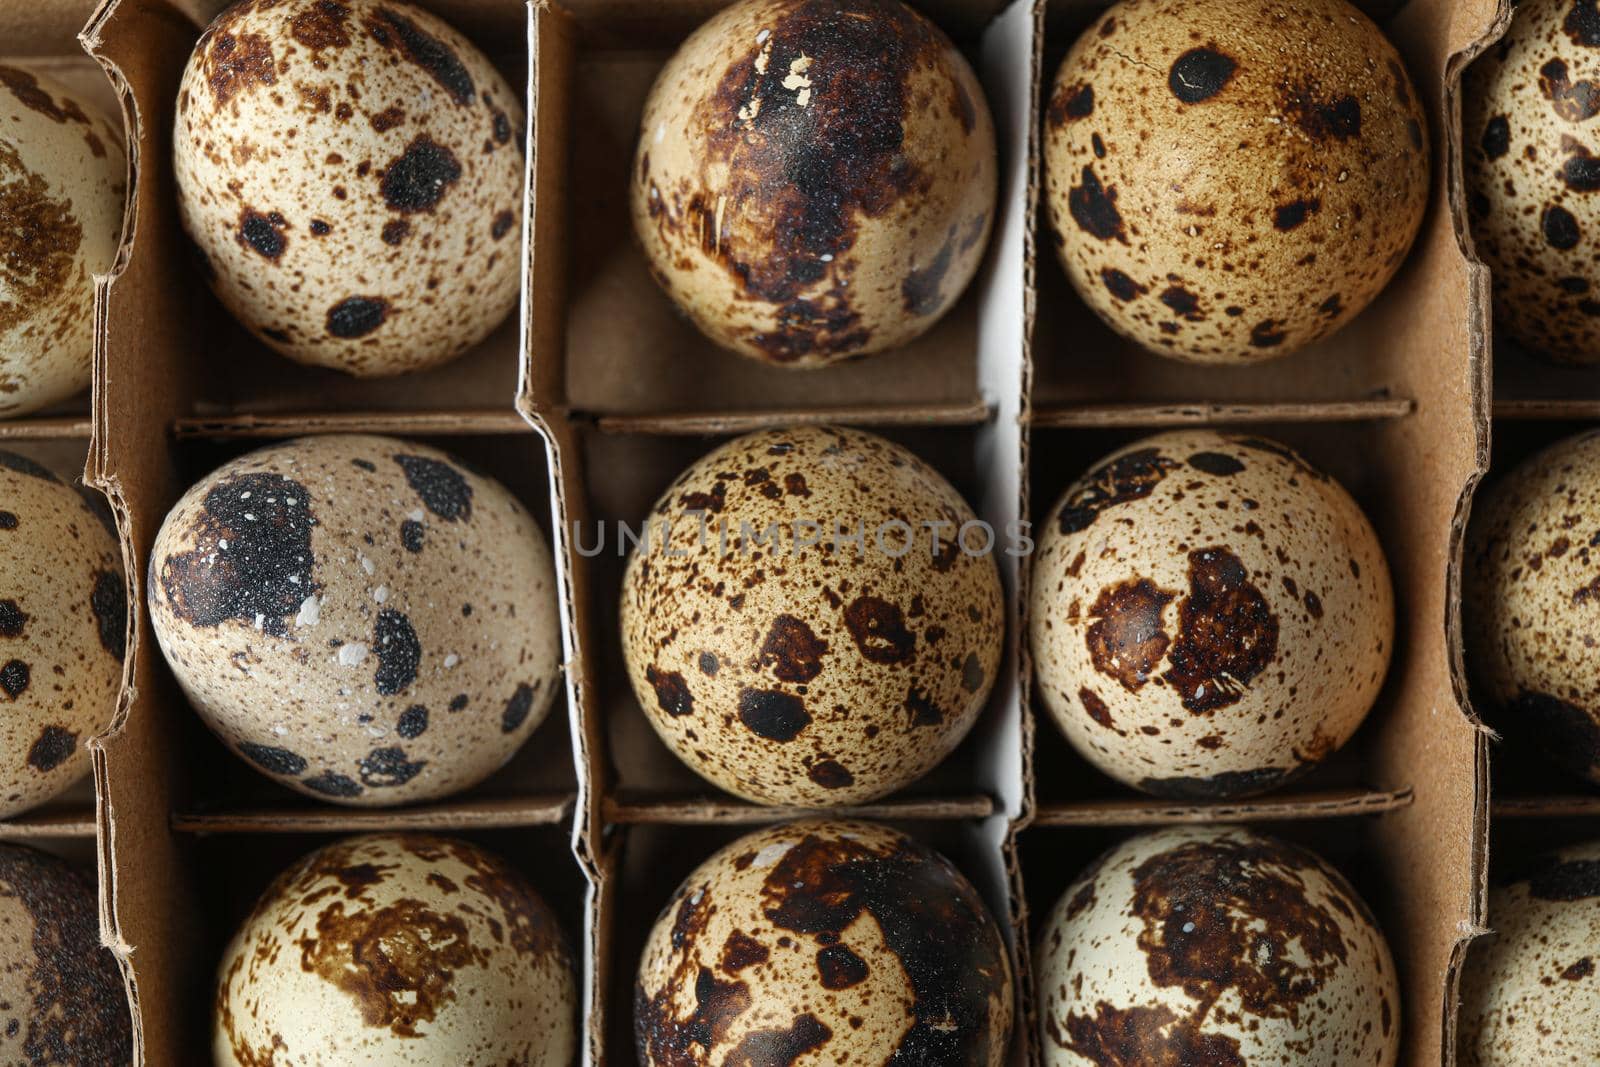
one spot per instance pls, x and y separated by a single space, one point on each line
1554 878
8 520
1126 641
502 224
1222 785
418 178
273 760
1094 208
321 25
1143 1035
1120 285
320 228
1130 476
1496 140
21 464
1582 24
920 290
394 231
1199 74
515 713
1580 970
24 85
741 951
1096 708
262 233
1218 463
830 774
332 784
357 316
52 748
672 692
1566 733
458 702
1183 303
972 677
398 650
1581 171
771 714
1227 633
235 64
1286 217
779 1048
1320 120
387 767
1572 101
39 241
13 620
109 603
709 664
1266 334
395 31
665 1039
879 630
1559 227
443 489
14 678
1071 102
840 968
792 651
387 119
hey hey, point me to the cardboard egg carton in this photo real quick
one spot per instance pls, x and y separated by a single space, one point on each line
593 397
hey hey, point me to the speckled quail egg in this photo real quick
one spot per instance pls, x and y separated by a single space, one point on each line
1527 141
1531 599
397 949
63 628
363 619
1211 616
789 663
824 942
1529 991
815 179
62 998
1215 945
63 179
1231 181
351 173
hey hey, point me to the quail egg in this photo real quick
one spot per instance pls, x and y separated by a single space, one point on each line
1211 616
351 173
815 179
814 622
1527 139
1215 945
365 620
824 942
63 178
63 628
1530 601
1231 181
1529 989
397 949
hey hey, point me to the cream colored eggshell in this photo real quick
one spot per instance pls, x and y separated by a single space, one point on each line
63 628
62 999
811 676
392 950
1528 112
363 619
1530 989
824 942
63 179
1210 615
1532 599
1215 945
814 181
352 175
1233 180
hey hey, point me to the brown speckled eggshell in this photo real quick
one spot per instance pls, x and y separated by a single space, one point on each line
810 677
815 179
62 1000
394 950
1218 946
1233 180
1211 616
824 942
352 175
1528 136
1531 602
363 619
1530 989
63 628
63 179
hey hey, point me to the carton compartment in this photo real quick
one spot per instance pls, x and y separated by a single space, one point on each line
622 348
231 871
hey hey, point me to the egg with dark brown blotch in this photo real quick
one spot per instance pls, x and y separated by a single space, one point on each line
62 998
1530 988
1215 945
63 182
1231 181
824 942
1211 616
815 179
1528 105
366 620
1531 599
351 172
63 630
816 618
397 949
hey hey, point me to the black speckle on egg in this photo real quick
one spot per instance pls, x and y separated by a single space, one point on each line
273 760
443 489
516 709
357 316
333 784
413 722
387 767
1199 74
398 651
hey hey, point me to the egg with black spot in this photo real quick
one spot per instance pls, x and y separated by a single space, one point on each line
1215 945
351 173
1528 105
1211 616
824 942
815 179
366 620
63 630
1530 988
1231 181
62 998
816 620
1531 597
397 949
63 182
